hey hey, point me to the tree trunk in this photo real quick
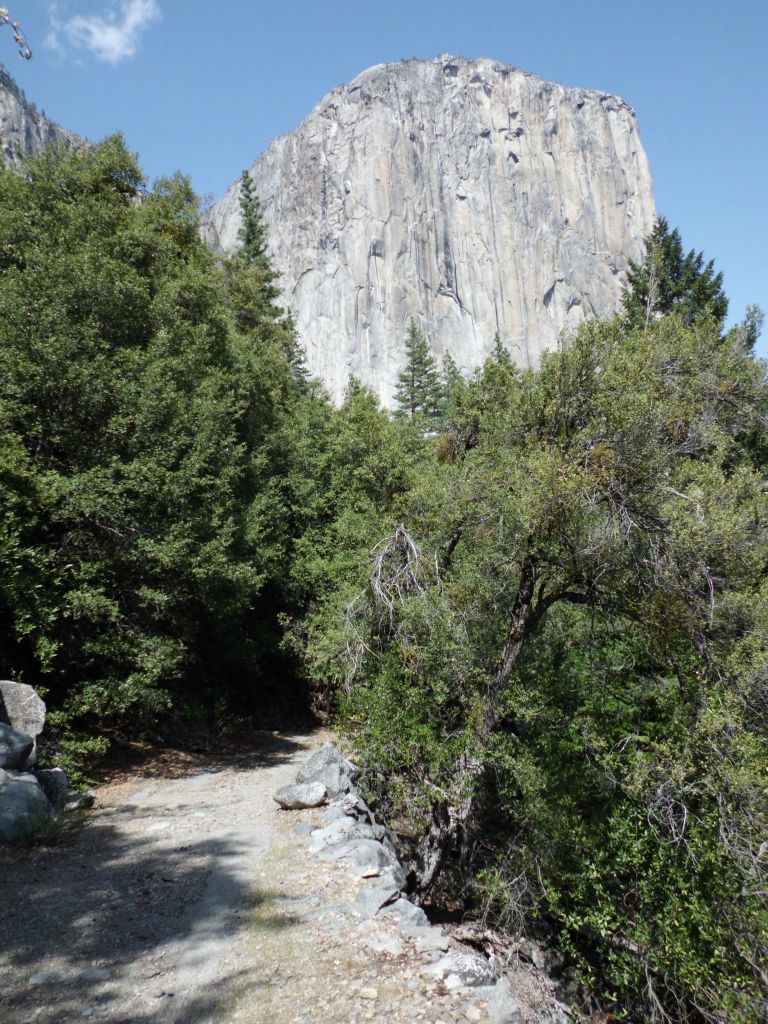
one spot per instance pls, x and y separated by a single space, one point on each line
451 819
516 635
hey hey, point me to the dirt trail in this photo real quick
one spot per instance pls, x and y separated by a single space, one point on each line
193 900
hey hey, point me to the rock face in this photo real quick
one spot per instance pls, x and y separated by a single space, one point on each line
24 131
15 747
22 803
468 195
22 708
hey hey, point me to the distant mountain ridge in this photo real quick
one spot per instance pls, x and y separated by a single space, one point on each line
24 130
468 195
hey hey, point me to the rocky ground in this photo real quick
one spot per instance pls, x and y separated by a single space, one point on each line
189 896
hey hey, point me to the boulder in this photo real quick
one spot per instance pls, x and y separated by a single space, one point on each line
294 798
408 915
15 747
340 831
54 782
503 1007
330 768
463 969
376 894
22 708
362 855
22 805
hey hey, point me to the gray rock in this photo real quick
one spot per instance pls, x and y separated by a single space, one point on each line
408 915
78 801
340 831
328 766
334 813
42 978
466 195
393 874
371 898
503 1007
25 131
23 806
430 940
293 798
55 784
15 747
22 708
380 941
333 777
463 969
94 974
360 855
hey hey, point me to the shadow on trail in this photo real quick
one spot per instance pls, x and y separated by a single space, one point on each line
256 749
104 909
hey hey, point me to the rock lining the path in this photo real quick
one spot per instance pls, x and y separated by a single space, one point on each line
301 796
31 800
350 835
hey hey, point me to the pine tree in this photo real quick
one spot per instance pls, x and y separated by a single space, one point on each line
500 353
253 235
260 308
452 386
670 280
418 391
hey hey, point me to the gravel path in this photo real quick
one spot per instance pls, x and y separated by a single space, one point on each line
194 900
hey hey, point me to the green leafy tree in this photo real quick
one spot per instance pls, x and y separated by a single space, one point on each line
142 397
669 279
418 391
558 656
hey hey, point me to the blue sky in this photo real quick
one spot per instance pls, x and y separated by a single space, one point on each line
202 87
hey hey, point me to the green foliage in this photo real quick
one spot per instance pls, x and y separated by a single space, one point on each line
418 393
252 284
142 397
669 280
554 662
545 626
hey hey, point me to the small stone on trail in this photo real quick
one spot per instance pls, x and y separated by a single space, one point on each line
95 974
42 978
473 1014
297 797
369 993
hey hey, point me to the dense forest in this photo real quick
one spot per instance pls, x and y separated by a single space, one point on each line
536 600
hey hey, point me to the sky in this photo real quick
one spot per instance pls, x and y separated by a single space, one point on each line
202 87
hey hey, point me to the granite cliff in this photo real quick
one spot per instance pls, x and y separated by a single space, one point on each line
471 196
24 131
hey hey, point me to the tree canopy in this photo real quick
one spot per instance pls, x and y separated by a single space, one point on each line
554 662
671 280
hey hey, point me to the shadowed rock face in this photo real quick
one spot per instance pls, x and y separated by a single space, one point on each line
467 195
24 131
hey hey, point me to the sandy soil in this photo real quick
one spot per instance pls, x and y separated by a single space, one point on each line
189 898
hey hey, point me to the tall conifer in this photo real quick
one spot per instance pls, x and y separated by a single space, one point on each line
418 391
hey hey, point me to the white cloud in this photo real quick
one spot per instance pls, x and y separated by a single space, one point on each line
112 37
